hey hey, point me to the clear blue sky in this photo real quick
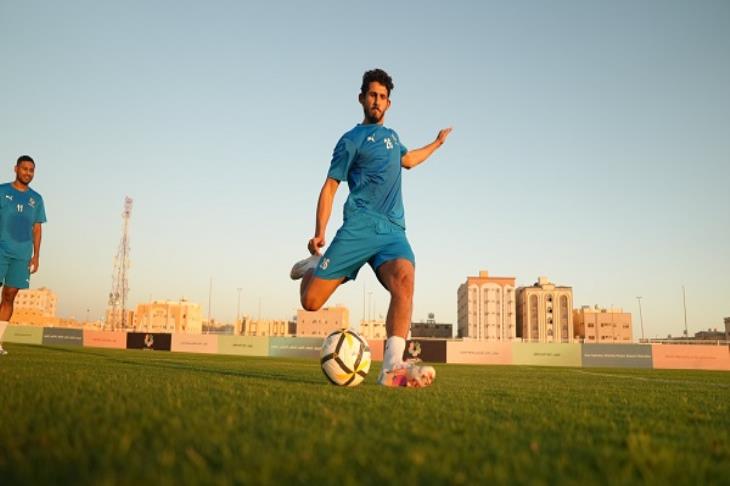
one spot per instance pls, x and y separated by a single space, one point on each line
591 144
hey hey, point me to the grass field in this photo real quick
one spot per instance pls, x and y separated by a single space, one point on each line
81 416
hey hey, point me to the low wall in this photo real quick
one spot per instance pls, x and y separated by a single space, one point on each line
243 345
657 356
546 354
431 351
617 356
105 339
377 348
194 343
156 341
23 334
478 352
63 336
292 347
690 357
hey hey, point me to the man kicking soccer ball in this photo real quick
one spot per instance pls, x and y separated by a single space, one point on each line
370 157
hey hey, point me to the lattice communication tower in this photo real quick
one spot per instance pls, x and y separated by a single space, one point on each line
117 317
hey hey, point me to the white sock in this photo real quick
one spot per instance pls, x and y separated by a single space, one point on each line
3 325
394 347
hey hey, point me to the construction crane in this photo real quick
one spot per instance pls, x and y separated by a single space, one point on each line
117 311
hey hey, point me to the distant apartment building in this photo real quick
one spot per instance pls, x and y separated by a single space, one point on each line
431 330
545 313
486 308
710 335
263 327
35 307
727 328
323 321
168 316
373 329
597 325
117 319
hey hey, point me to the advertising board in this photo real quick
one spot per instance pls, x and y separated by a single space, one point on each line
428 350
295 347
546 354
156 341
194 343
105 339
690 357
23 334
377 346
243 345
65 337
617 356
478 352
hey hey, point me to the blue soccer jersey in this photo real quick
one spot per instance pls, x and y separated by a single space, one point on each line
368 157
19 212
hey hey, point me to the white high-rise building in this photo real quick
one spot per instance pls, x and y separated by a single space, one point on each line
545 313
486 308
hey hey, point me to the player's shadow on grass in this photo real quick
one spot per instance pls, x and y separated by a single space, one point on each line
157 364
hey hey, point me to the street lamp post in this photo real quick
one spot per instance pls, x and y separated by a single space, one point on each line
641 317
210 301
238 308
684 303
370 306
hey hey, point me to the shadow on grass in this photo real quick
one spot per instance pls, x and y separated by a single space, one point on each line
266 375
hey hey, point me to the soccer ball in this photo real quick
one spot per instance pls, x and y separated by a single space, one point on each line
345 358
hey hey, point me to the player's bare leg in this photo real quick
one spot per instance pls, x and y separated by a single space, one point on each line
6 310
398 276
315 291
8 299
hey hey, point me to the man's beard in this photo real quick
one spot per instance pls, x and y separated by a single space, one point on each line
375 117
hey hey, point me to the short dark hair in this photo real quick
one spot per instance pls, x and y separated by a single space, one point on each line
25 158
376 75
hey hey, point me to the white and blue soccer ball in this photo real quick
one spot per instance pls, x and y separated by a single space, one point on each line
345 358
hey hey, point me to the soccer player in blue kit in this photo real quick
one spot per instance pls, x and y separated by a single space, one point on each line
21 215
370 157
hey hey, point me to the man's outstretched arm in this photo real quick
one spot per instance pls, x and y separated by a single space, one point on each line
324 210
415 157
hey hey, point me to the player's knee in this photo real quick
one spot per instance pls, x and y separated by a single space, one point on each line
402 285
311 303
9 293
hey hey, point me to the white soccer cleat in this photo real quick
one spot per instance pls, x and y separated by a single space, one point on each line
303 266
2 351
409 374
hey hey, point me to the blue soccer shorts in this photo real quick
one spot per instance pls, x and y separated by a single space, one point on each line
364 238
14 272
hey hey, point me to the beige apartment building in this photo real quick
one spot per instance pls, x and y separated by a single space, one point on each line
545 313
113 316
597 325
323 321
36 307
168 316
486 308
373 329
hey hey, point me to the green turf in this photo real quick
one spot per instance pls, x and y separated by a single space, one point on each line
81 416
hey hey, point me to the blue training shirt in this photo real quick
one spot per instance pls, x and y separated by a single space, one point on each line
368 156
19 212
